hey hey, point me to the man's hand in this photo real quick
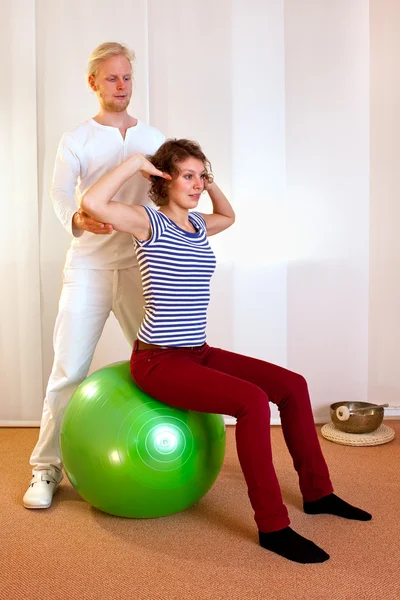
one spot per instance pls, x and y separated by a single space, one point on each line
81 220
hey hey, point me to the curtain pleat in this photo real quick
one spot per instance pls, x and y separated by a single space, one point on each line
21 391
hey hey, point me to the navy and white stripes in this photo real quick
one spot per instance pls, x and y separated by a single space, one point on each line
176 268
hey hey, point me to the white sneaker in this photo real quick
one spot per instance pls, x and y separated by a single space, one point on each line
41 490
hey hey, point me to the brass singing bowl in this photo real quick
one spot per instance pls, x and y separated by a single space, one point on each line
367 418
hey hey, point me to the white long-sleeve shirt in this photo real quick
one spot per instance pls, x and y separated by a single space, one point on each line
84 155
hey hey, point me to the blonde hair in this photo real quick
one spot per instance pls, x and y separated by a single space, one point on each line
105 51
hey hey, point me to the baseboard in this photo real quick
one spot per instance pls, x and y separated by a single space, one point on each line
232 421
19 423
390 414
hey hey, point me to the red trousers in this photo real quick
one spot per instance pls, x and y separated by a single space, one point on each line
212 380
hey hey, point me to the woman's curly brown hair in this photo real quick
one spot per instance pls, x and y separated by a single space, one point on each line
167 158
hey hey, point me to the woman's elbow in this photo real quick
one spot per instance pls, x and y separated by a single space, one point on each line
86 203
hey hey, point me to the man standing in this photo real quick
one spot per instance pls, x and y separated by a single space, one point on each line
101 273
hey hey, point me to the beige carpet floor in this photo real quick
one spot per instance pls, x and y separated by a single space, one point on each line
210 551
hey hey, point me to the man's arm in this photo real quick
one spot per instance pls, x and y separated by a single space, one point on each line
65 177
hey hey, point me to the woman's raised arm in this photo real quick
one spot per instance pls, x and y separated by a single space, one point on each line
223 215
98 200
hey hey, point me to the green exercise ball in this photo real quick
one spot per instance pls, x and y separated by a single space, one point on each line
129 455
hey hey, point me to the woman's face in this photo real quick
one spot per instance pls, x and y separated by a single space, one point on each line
185 190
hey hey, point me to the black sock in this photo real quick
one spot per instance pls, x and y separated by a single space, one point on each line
291 545
333 505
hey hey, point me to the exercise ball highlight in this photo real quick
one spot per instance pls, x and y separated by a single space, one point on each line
129 455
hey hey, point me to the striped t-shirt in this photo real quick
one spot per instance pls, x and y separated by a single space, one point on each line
176 267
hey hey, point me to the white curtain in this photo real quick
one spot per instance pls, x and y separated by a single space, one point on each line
278 94
20 333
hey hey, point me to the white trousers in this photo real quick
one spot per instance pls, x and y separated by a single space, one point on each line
88 296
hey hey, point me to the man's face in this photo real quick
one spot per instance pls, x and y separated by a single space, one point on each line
113 83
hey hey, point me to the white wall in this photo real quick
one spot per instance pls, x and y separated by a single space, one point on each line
278 93
259 181
327 157
20 334
384 300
